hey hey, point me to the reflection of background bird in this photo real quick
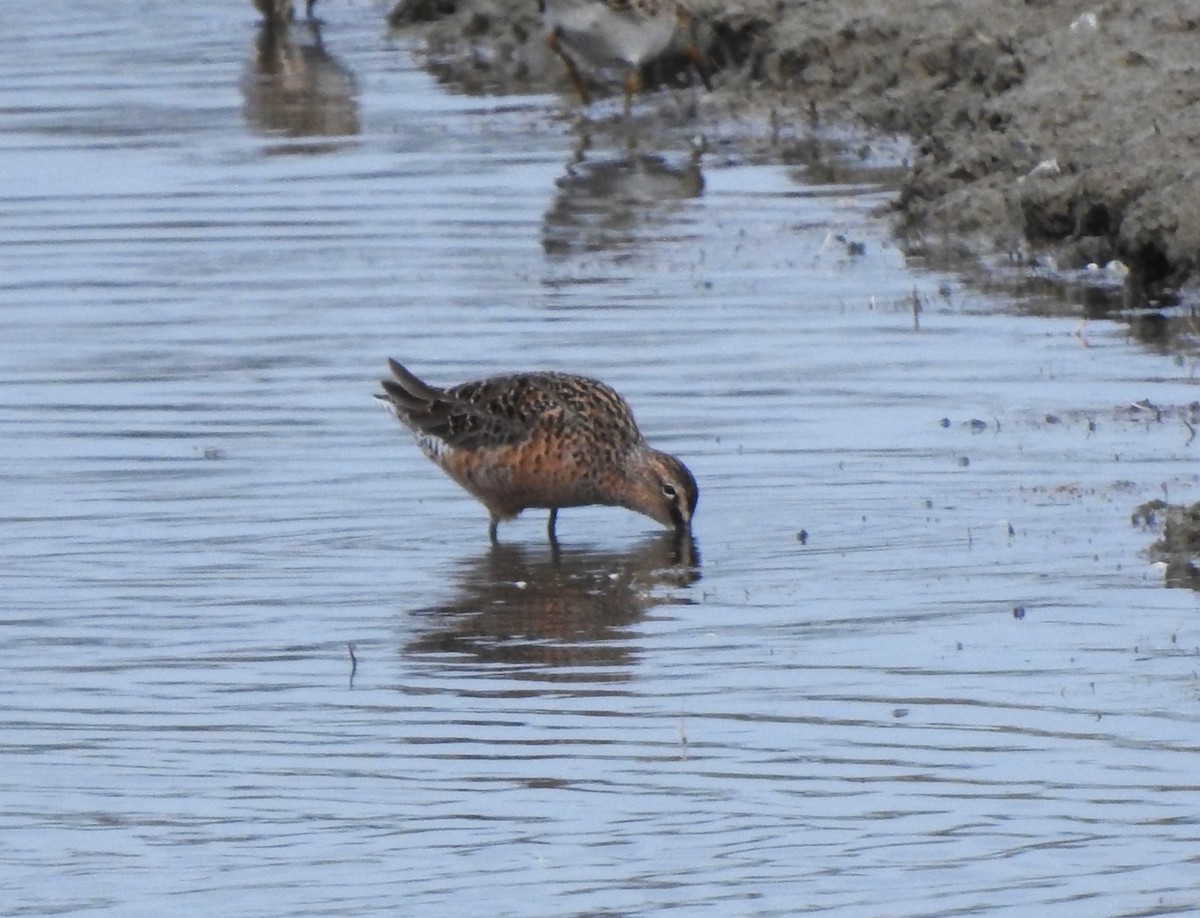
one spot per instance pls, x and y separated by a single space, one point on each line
281 10
546 440
608 202
568 609
626 34
296 88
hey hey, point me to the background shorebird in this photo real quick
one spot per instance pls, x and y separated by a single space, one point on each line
627 34
546 440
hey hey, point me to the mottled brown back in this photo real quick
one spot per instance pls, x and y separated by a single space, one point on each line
509 410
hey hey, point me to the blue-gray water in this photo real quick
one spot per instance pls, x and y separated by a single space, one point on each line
967 693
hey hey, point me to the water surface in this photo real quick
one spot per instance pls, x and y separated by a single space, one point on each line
260 657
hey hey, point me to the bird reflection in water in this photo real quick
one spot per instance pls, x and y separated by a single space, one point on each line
562 615
295 88
610 201
282 10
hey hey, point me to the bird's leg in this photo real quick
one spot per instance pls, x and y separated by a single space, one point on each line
700 64
492 530
572 71
555 548
633 84
308 8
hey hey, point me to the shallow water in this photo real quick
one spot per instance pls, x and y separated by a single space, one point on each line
260 658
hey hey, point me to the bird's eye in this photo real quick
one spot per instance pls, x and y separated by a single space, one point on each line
669 490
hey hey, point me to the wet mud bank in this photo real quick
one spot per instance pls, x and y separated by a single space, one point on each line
1059 135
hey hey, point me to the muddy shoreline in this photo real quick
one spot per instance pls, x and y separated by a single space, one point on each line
1061 135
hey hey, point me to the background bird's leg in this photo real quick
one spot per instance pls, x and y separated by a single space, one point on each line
492 531
572 71
550 524
633 84
700 64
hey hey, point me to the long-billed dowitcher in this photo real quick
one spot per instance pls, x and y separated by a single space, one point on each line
620 33
544 440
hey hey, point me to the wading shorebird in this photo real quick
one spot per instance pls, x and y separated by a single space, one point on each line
541 440
620 33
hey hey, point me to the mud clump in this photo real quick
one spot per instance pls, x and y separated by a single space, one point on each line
1179 546
1063 133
